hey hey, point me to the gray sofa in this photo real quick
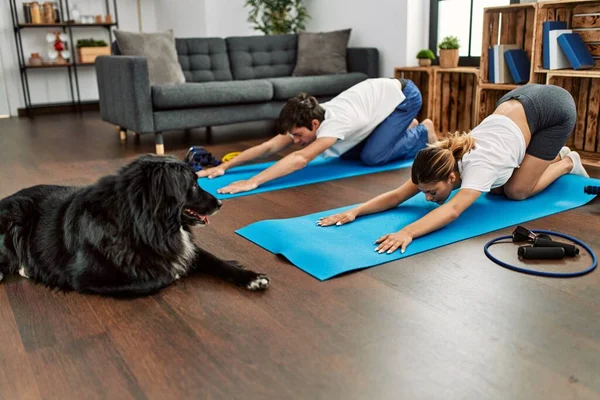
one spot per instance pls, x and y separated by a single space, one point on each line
231 80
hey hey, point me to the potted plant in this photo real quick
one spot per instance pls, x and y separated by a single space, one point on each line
277 17
89 49
449 52
425 56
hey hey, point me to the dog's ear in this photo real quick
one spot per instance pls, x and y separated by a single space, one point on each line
156 193
15 210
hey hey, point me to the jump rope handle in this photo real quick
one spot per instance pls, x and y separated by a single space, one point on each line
591 189
541 253
570 249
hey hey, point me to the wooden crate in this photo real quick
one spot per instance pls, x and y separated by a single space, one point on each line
454 99
507 25
583 17
586 93
422 77
89 54
486 101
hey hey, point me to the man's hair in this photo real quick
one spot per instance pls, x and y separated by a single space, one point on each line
299 111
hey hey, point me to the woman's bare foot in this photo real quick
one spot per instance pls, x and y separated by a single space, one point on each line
431 136
414 123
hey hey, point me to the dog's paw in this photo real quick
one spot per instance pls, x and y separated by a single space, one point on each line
23 273
1 276
261 282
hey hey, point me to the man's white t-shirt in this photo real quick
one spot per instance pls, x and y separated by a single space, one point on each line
353 114
499 149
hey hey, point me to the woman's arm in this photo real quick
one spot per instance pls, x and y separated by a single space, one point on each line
433 221
262 150
382 202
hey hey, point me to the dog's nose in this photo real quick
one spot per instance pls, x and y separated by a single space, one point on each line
219 203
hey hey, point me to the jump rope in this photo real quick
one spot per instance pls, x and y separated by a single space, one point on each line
541 246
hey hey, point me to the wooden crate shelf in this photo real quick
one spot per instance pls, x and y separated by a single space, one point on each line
507 25
455 99
448 91
423 78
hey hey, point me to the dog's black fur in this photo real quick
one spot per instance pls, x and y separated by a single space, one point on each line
128 234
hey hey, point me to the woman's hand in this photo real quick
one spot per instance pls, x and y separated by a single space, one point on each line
211 172
391 242
237 187
338 219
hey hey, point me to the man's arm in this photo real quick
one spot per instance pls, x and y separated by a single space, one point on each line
262 150
290 163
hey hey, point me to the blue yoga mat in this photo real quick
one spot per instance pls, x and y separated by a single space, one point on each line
325 252
319 170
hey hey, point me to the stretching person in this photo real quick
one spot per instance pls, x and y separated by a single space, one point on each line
372 121
517 151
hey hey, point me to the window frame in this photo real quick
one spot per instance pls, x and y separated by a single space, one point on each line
468 61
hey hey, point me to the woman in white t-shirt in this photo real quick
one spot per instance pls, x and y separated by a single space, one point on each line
517 151
372 121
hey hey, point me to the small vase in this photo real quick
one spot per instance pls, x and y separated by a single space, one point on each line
35 59
449 58
424 62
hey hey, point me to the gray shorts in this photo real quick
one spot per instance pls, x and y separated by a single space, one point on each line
551 116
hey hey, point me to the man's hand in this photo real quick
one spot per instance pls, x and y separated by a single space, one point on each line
338 219
391 242
211 172
237 187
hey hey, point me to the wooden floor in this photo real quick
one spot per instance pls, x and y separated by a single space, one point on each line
445 324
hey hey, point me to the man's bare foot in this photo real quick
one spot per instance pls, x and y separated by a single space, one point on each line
414 123
431 136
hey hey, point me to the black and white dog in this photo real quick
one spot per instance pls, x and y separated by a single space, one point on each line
128 234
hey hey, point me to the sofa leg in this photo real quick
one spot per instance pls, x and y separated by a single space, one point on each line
122 133
160 147
209 135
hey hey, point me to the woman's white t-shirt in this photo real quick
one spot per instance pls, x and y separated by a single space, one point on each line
499 149
355 113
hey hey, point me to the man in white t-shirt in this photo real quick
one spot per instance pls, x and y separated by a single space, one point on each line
372 121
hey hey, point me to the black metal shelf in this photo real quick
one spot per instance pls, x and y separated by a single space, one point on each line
67 27
44 66
65 24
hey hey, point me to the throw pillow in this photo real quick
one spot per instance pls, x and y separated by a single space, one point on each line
158 48
322 53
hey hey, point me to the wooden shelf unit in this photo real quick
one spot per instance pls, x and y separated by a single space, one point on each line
448 95
521 24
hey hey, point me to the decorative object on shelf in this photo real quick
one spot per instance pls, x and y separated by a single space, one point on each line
425 57
48 15
35 59
75 14
108 19
35 11
89 49
98 19
59 45
27 12
449 52
277 17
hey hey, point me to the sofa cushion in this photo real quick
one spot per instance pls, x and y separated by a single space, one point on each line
203 59
321 53
158 48
255 57
211 94
321 85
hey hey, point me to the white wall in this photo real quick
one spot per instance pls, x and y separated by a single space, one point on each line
385 24
398 28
